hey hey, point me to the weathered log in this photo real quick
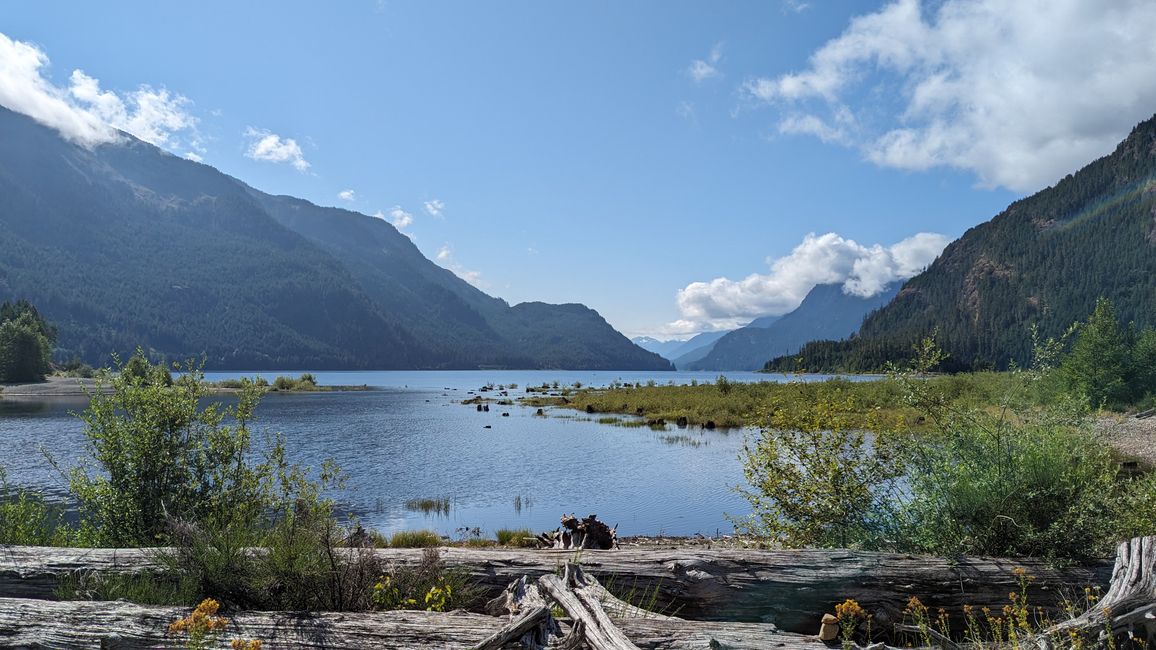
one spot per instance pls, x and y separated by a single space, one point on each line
1127 608
789 588
600 632
588 533
31 623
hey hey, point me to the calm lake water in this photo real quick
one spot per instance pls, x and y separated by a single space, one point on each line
411 437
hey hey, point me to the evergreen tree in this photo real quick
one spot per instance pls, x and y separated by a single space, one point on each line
1100 362
25 349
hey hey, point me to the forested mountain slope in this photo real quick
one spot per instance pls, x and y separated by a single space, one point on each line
124 245
1044 260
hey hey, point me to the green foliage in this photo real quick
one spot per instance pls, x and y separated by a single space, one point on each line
1019 472
26 519
157 455
25 343
427 586
814 479
1111 365
415 539
305 382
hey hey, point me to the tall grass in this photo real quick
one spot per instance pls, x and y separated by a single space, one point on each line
523 537
414 539
733 404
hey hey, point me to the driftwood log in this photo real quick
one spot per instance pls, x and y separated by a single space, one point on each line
26 623
789 588
1127 609
575 534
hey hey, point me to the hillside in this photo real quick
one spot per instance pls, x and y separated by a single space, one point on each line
825 313
1044 260
125 245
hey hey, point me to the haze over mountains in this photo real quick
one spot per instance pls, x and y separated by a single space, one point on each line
1043 261
123 245
827 312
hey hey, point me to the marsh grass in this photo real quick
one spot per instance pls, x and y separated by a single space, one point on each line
522 537
682 440
732 404
437 506
415 539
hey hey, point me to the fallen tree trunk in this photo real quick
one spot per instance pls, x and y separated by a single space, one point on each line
1127 609
789 588
120 625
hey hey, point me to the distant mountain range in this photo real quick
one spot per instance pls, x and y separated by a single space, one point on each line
681 351
125 245
825 313
1044 261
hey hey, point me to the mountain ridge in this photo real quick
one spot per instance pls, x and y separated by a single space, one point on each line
125 244
826 312
1042 261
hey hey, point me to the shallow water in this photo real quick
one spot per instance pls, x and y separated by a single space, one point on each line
411 438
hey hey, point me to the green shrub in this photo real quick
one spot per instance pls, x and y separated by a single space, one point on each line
427 586
813 479
26 519
415 539
156 455
1003 476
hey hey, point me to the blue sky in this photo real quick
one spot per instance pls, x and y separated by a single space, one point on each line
661 162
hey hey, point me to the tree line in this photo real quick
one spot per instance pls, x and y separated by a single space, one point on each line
26 341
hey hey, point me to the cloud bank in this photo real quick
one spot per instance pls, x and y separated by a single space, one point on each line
1019 93
88 115
863 271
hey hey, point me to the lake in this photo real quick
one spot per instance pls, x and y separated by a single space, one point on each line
411 438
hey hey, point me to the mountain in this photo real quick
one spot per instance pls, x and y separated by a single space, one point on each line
1043 261
696 348
661 348
825 313
124 245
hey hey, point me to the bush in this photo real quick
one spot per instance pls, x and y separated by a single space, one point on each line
814 480
429 586
156 455
27 520
1006 476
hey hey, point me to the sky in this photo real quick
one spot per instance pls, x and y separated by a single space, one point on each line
679 167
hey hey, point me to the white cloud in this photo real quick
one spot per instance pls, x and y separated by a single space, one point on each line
84 113
193 156
820 259
445 257
795 6
270 147
700 70
434 207
398 217
1018 93
347 195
